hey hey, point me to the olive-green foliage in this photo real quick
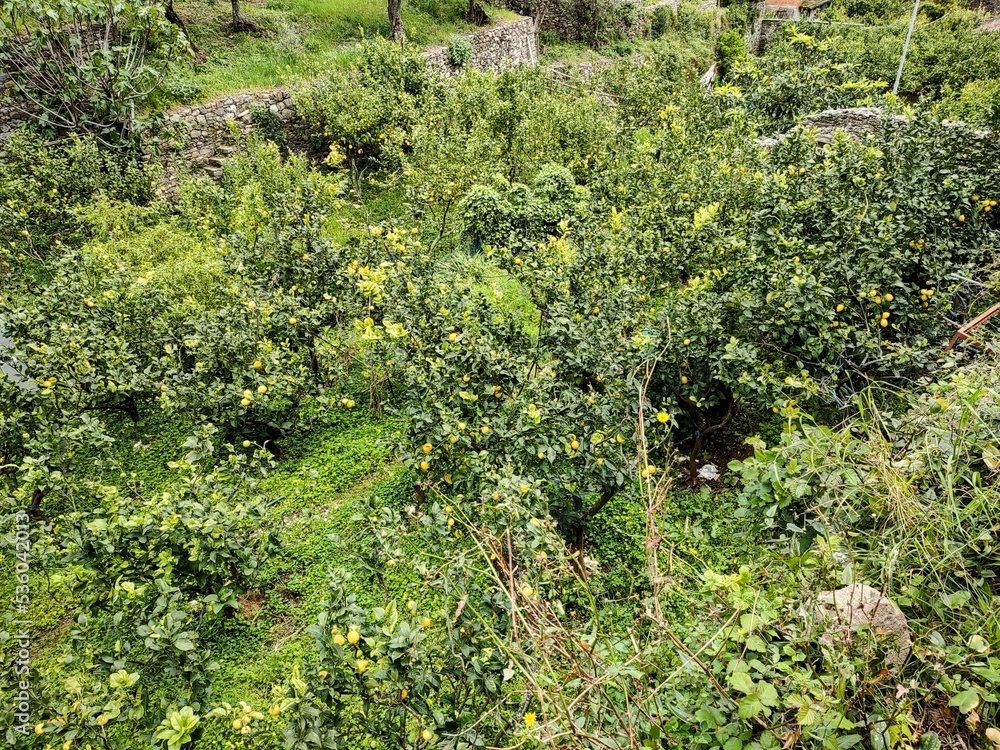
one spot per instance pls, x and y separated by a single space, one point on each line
80 68
365 115
811 67
644 271
730 48
44 189
491 214
915 485
976 102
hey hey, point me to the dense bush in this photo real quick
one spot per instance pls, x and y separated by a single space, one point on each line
44 190
81 68
554 288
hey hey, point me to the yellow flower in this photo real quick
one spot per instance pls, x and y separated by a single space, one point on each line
663 417
529 719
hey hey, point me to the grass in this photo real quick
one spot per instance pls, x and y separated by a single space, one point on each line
300 39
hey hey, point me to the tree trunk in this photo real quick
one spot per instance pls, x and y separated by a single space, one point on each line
241 22
177 21
477 15
396 20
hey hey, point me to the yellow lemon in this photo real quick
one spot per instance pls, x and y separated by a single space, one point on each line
575 444
840 308
339 639
427 447
237 724
361 665
257 364
274 710
424 466
427 734
353 636
426 622
246 443
527 591
485 429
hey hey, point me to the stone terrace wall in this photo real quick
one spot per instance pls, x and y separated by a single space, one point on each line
201 136
494 49
10 116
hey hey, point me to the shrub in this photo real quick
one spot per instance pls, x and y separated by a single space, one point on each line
58 54
459 51
730 48
366 116
268 125
44 189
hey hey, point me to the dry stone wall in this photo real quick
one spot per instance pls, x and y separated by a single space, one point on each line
494 49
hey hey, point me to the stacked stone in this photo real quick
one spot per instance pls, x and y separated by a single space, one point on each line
494 49
204 126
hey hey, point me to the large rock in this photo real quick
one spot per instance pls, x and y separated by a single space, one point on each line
859 607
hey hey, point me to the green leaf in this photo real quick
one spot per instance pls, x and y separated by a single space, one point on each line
965 701
741 681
